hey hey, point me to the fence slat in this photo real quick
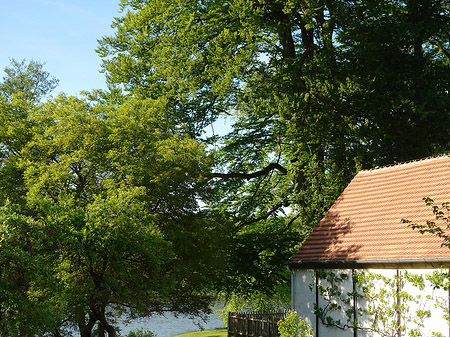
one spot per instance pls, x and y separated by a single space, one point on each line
254 324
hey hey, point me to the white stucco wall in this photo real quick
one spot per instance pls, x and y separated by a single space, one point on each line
303 296
421 299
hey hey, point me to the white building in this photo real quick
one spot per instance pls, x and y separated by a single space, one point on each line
364 271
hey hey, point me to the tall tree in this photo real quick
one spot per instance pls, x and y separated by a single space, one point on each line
24 308
317 89
108 210
24 85
118 192
27 80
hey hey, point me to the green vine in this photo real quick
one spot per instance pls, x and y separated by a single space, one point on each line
329 285
377 303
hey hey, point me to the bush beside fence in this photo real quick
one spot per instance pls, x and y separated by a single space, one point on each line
254 324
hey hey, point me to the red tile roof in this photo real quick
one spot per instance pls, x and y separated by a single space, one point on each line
365 223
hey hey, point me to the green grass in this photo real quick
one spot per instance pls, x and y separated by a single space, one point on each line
205 333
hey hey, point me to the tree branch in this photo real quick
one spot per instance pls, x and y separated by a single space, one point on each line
269 168
288 226
441 49
265 216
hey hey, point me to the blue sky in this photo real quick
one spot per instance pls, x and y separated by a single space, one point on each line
61 33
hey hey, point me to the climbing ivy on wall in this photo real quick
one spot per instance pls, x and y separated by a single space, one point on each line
388 306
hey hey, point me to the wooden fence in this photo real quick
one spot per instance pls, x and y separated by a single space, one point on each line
254 324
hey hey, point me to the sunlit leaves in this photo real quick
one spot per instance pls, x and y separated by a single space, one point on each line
320 88
115 193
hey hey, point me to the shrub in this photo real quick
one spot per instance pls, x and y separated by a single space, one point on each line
294 326
141 333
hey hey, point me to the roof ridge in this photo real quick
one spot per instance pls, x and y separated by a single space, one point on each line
409 162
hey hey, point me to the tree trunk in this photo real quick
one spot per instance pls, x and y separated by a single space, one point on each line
99 313
101 331
85 328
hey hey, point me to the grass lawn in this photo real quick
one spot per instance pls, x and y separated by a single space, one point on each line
206 333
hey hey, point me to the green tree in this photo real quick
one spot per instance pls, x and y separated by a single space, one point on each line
26 309
118 194
24 85
316 89
112 195
27 81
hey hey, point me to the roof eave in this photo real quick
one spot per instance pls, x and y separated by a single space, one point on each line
425 263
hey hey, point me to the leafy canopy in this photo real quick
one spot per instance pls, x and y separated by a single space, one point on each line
316 90
105 220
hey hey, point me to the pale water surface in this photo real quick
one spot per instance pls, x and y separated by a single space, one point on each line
170 325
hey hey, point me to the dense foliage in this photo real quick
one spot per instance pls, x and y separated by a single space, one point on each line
315 90
100 216
293 326
120 201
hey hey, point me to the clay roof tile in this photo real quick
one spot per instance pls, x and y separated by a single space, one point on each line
365 222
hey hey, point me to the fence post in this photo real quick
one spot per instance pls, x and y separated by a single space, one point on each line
247 321
252 324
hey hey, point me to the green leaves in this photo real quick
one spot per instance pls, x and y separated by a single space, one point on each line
24 306
316 91
293 326
386 302
115 193
438 227
26 81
